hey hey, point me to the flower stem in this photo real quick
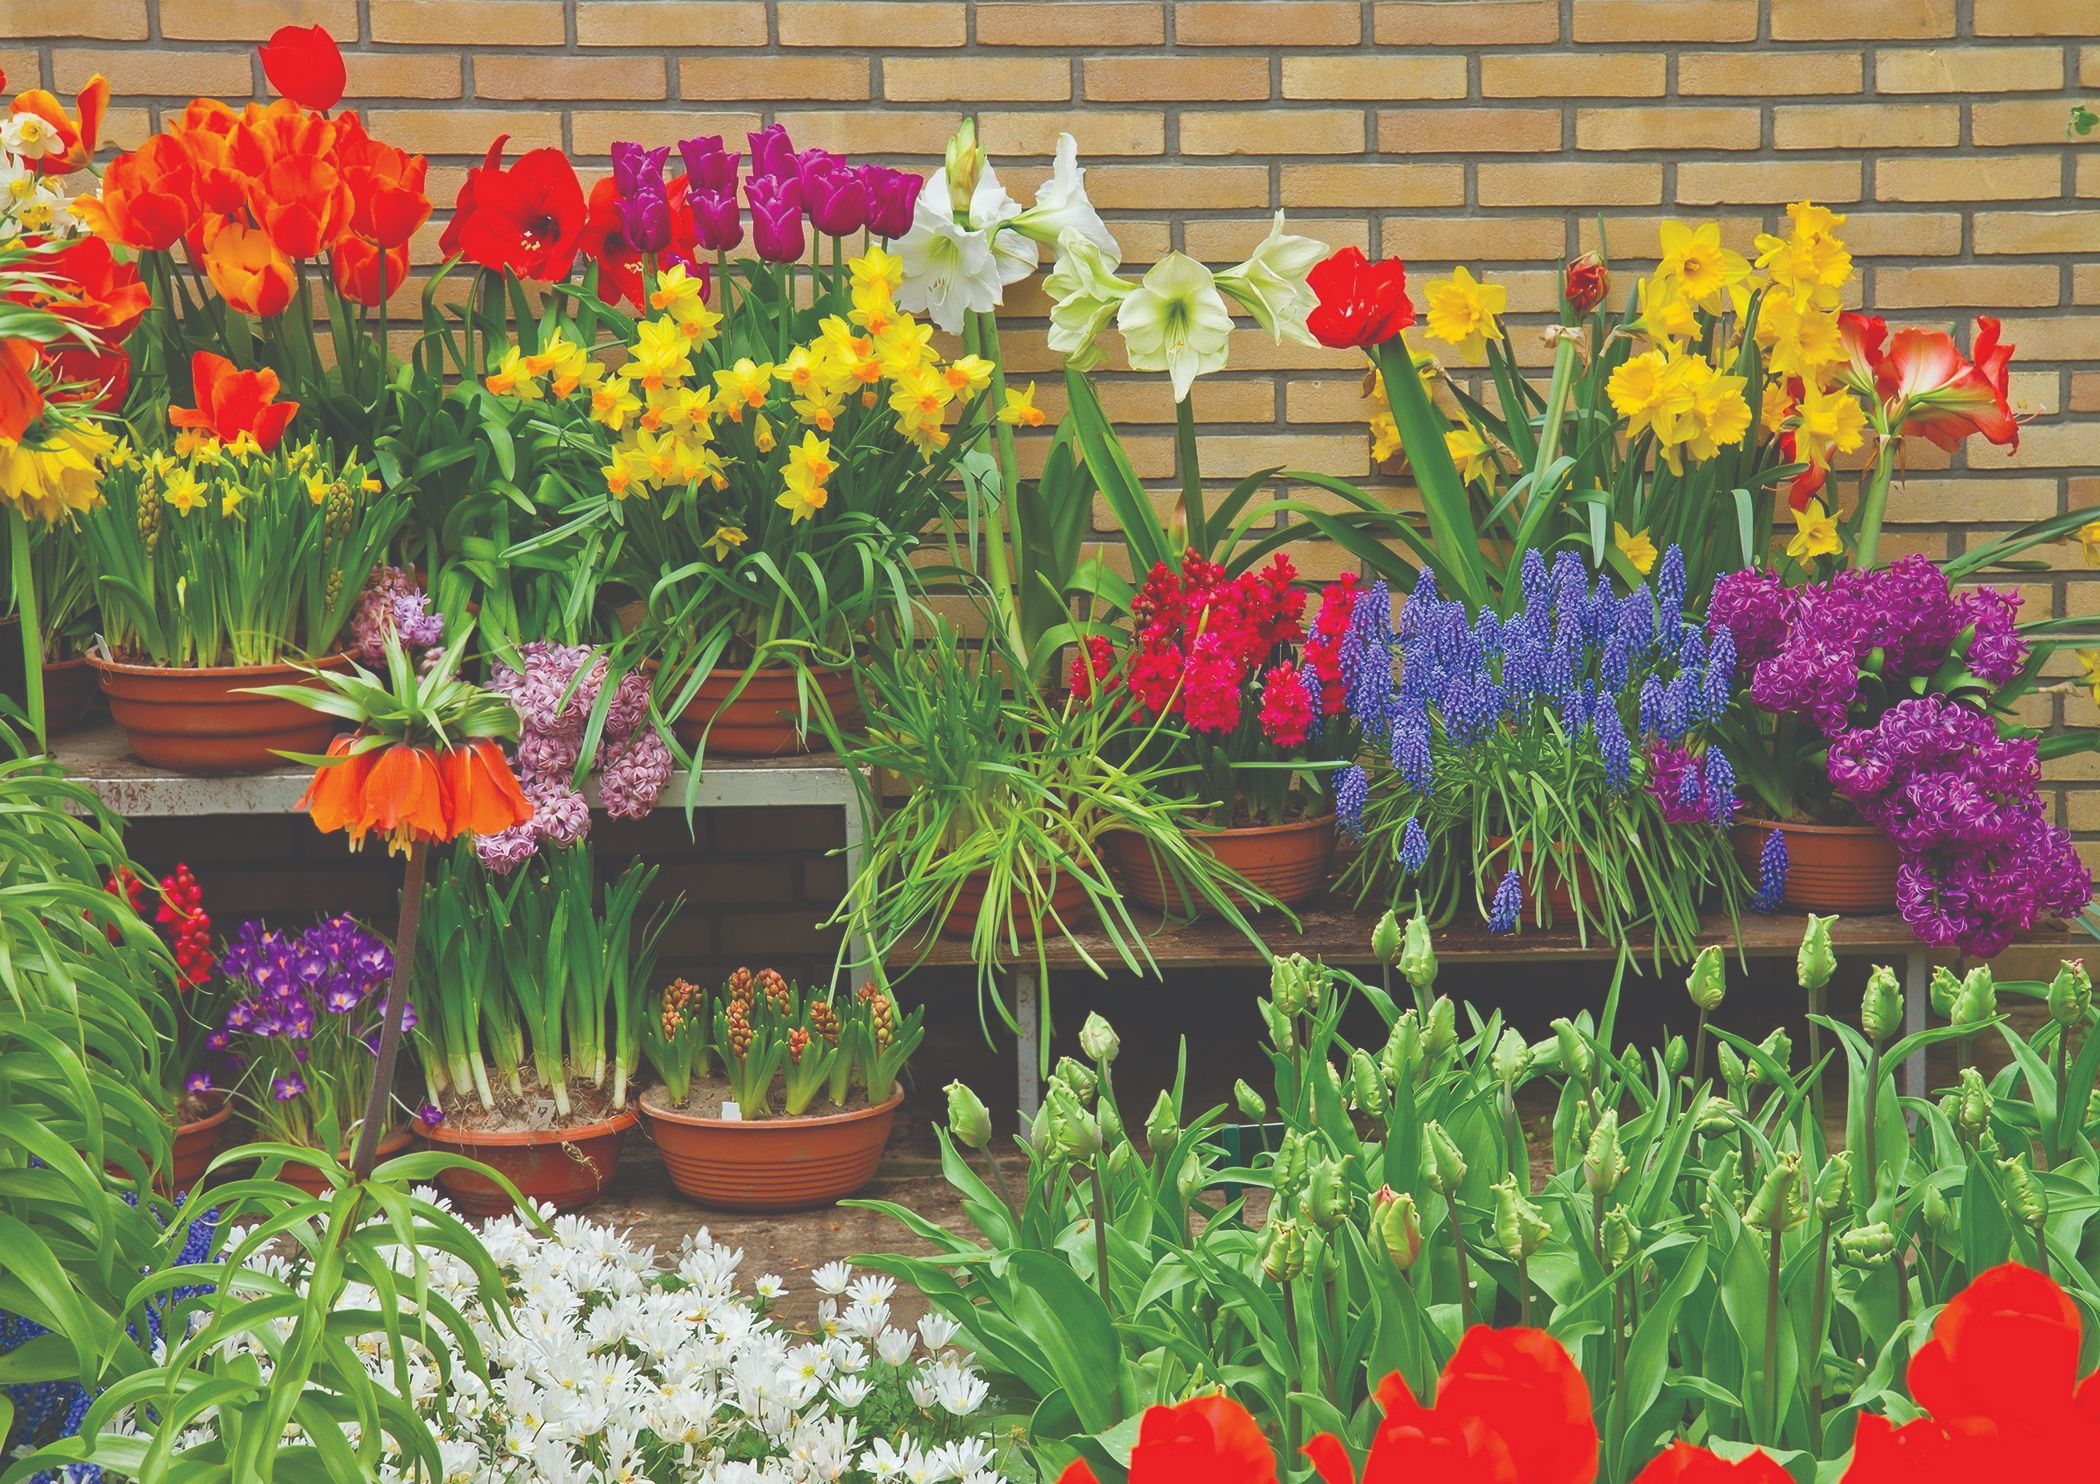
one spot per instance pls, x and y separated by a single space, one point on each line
1772 1341
32 636
1101 1237
1465 1271
368 1134
1873 503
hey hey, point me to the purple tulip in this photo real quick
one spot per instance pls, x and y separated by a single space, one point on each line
776 217
718 222
836 195
892 195
708 167
635 168
772 156
645 219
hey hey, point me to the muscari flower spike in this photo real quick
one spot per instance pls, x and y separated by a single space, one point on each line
1771 874
1414 846
1508 904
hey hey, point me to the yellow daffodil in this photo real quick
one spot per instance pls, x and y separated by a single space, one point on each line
1810 263
802 370
2089 661
763 436
1777 407
1385 437
684 298
574 370
904 347
820 412
1646 391
744 385
122 456
877 268
1471 453
1666 315
1815 534
513 378
920 400
317 484
1635 546
687 407
370 486
556 348
1020 410
1799 338
1694 259
183 492
230 496
244 446
1464 312
659 455
693 461
1720 415
613 403
873 309
1828 422
811 460
2089 539
968 375
661 354
801 496
198 447
725 540
928 438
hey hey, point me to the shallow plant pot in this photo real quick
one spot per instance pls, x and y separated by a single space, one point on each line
1288 861
763 718
1068 899
195 1144
313 1182
200 721
565 1167
771 1164
1830 867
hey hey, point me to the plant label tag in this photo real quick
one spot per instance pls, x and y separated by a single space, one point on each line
731 1112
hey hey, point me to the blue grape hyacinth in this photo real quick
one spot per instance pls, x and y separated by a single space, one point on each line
1508 905
1771 874
1414 846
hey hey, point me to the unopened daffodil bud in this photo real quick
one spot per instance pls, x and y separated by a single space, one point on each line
1366 1085
1396 1224
1881 1006
1249 1102
1443 1167
1098 1040
1604 1161
1705 984
1868 1247
968 1120
2071 994
1385 939
1418 955
1519 1228
1778 1205
1817 960
1834 1186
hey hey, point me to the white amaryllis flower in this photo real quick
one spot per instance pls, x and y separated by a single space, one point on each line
1085 294
1176 321
1271 285
1062 206
949 269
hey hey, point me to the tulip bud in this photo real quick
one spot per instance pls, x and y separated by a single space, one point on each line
1283 1030
1780 1047
1943 989
1443 1167
1163 1126
1251 1107
1287 1176
2071 994
1441 1034
1976 1001
1076 1132
1881 1007
1418 955
1868 1247
1778 1205
1042 1137
1326 1199
968 1119
1816 961
1190 1176
1511 1057
1385 939
1519 1228
1282 1250
1577 1060
1677 1055
1111 1122
1402 1057
1724 1186
1122 1160
1973 1109
1077 1076
1604 1162
1290 984
1098 1040
1581 1124
1395 1223
2026 1201
1705 984
1715 1116
1733 1073
1586 283
1934 1208
1834 1186
1620 1237
1366 1086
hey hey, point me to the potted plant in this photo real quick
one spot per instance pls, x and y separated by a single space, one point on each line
534 988
226 563
773 1097
65 607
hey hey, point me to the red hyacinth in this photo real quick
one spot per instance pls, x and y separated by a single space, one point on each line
527 218
1361 303
1286 706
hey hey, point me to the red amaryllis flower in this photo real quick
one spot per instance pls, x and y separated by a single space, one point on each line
1681 1463
304 64
1510 1409
73 139
385 182
1207 1438
1361 303
528 218
148 198
482 796
356 266
1586 283
1945 397
231 402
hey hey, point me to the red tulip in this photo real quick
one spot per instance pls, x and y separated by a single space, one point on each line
1205 1440
305 64
76 138
528 218
148 198
1586 283
386 184
355 265
1681 1463
230 402
1361 303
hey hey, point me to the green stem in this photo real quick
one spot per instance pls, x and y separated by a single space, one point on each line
1465 1271
32 635
1556 412
1873 504
1873 1170
1290 1408
1815 1061
984 330
1772 1341
1699 1054
376 1105
1822 1321
1101 1237
1191 472
1006 1194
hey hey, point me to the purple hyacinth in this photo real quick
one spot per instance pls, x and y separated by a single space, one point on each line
1508 905
1771 874
1413 854
1614 747
1352 790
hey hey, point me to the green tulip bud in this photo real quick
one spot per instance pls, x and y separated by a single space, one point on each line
1283 1030
1326 1199
1287 1177
1677 1055
1621 1237
1441 1034
1163 1126
968 1120
1395 1222
1715 1116
1577 1060
2071 994
1443 1167
1111 1122
1418 955
1581 1124
1816 961
1778 1205
1943 989
1976 1001
1973 1110
1834 1186
1724 1186
1282 1250
1780 1047
1604 1162
1385 939
1190 1176
1402 1057
1076 1132
1868 1247
1366 1086
1934 1208
1290 984
2027 1201
1733 1073
1881 1007
1122 1160
1706 985
1042 1137
1077 1076
1098 1039
1511 1057
1519 1228
1251 1107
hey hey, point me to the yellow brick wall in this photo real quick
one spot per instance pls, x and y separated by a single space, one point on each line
1494 132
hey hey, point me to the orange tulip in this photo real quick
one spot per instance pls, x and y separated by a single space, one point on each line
336 797
206 131
356 266
231 402
267 132
149 196
386 184
20 402
249 270
76 141
302 202
91 288
482 796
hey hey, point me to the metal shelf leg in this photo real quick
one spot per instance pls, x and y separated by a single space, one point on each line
1917 974
1028 1049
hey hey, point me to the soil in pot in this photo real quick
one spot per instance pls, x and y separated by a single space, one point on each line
772 1163
200 1128
1289 861
202 721
1068 899
762 719
562 1161
1849 868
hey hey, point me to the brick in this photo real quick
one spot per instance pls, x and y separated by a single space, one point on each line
661 23
464 131
593 131
1732 182
1570 183
1159 79
2055 337
1950 501
1171 187
845 130
148 73
253 20
972 78
2087 175
99 20
1261 23
401 75
1752 74
1308 131
1382 185
819 79
1223 241
1971 69
2034 18
503 75
1468 130
1083 23
2089 67
1861 20
430 22
2002 178
2024 121
1383 79
1865 126
891 26
1461 239
1906 234
1573 75
1100 132
1665 20
1986 285
1500 23
2036 231
1666 128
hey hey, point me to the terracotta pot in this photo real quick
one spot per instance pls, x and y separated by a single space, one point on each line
1068 899
195 1144
1552 881
1830 867
69 685
565 1167
1289 861
762 720
771 1164
199 721
313 1182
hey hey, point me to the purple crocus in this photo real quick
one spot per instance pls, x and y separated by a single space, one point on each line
776 217
772 155
708 167
284 1089
197 1083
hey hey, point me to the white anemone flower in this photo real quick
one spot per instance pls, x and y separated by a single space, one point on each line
1271 284
1176 321
949 269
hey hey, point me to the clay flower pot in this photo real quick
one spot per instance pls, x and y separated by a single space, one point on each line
761 721
313 1182
1550 879
1068 899
1847 868
69 685
565 1167
195 1144
201 721
1289 861
771 1164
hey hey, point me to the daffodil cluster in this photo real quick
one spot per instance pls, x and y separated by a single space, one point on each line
1672 391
